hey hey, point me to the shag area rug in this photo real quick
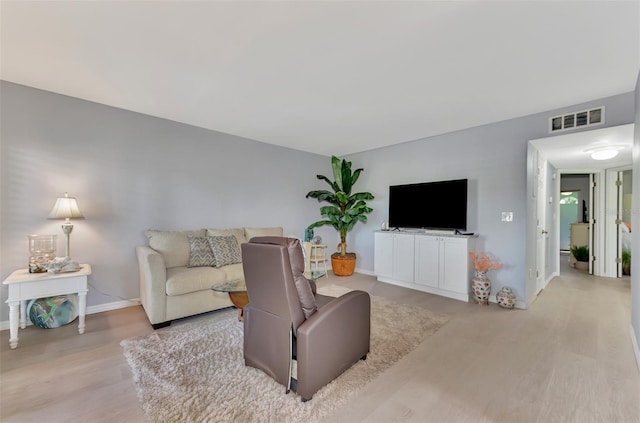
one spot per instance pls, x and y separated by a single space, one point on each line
195 372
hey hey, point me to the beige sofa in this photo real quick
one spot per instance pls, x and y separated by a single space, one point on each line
176 278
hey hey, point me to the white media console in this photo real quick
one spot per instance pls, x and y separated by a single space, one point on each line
437 263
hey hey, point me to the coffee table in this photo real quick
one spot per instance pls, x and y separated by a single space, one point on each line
237 290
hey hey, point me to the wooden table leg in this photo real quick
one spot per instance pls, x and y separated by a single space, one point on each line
239 299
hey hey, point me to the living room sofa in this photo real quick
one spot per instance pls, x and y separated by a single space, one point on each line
178 268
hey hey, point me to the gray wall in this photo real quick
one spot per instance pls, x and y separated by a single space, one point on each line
494 159
635 223
132 172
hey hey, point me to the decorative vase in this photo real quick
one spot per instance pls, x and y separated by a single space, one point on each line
506 298
308 234
43 250
481 287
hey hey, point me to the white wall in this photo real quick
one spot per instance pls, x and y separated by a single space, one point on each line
132 172
635 223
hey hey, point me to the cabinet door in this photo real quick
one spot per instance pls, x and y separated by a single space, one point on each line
383 259
427 260
454 265
403 257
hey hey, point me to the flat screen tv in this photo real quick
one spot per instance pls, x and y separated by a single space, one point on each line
440 205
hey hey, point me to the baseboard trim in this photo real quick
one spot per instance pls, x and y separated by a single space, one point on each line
100 308
364 272
636 347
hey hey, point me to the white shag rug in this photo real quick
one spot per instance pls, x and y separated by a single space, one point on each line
195 372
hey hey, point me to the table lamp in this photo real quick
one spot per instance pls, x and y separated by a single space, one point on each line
66 208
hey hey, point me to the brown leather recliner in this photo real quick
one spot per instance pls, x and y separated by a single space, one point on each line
286 320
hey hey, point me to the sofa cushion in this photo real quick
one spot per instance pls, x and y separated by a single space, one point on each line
233 271
200 253
253 232
183 280
173 245
237 232
225 249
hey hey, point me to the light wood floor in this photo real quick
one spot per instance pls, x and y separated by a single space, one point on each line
566 359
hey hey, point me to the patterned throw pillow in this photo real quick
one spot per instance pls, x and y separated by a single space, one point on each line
225 250
200 253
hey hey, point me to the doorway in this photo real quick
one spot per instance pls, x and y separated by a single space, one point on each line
566 154
576 239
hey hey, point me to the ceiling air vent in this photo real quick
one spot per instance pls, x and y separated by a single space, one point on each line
581 119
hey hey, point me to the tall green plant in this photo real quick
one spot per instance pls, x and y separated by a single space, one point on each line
346 209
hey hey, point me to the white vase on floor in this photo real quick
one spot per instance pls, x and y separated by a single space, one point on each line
481 287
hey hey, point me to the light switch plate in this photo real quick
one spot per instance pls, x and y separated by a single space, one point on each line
507 216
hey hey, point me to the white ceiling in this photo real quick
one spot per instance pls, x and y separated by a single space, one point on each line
329 77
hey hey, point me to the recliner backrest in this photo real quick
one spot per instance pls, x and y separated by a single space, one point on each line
269 264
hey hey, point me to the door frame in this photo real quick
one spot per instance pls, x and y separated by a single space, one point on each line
552 204
597 203
612 229
600 206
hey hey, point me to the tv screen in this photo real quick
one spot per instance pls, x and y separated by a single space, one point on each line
429 205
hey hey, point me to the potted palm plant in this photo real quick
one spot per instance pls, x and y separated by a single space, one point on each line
345 210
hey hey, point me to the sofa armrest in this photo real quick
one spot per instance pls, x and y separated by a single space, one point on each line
332 340
153 283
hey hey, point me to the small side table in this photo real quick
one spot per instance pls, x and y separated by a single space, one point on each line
25 286
318 258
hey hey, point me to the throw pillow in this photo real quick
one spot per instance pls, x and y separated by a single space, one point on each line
200 253
225 250
237 232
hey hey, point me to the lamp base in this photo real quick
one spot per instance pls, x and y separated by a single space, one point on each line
67 228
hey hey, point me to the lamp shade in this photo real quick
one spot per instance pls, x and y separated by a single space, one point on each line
66 208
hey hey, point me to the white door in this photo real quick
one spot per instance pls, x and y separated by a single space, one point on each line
619 220
541 231
590 218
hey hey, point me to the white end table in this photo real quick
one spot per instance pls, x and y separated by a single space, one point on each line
25 286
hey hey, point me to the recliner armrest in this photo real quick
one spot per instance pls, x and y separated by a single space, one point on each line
332 340
345 307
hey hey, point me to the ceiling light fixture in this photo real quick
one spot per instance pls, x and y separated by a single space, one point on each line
604 152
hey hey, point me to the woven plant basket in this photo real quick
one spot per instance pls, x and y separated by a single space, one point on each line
343 265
